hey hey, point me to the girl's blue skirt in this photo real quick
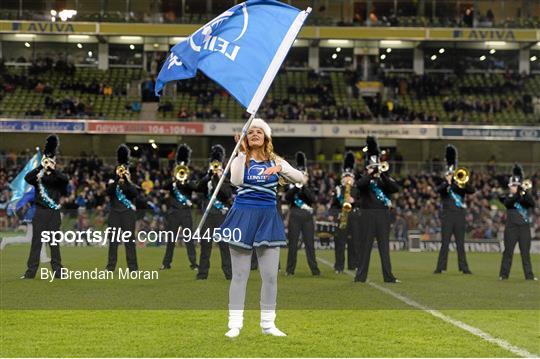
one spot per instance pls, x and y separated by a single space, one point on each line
254 226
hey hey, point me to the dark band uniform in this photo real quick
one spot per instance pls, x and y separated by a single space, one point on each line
301 222
453 212
179 215
215 218
47 216
374 191
453 223
178 218
375 223
123 198
348 236
517 228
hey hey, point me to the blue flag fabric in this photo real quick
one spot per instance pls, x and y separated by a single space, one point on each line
19 186
242 49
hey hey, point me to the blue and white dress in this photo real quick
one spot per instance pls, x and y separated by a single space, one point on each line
254 214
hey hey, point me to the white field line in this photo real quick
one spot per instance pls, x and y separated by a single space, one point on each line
473 330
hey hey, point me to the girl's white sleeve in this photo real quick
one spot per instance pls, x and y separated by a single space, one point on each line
238 165
291 174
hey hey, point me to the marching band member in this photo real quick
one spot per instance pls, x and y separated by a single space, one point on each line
50 185
123 196
341 208
301 200
453 190
216 215
517 229
255 171
178 218
374 190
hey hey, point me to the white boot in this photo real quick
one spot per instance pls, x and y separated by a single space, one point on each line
268 326
236 322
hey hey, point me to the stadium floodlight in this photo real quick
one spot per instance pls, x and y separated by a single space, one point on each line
492 51
533 58
78 37
176 39
53 12
495 43
66 14
538 43
132 47
482 58
338 42
334 56
136 148
386 43
90 54
383 56
433 57
131 38
441 50
27 44
79 45
389 50
338 49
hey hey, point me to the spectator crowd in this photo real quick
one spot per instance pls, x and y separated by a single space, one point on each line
416 205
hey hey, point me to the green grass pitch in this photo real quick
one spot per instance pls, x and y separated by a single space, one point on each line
328 316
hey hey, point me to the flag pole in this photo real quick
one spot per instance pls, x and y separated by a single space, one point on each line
253 106
225 171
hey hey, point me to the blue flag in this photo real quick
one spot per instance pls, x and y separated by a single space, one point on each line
242 49
19 186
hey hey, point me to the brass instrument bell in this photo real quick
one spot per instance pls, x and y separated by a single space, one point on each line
215 166
526 184
122 171
181 173
462 176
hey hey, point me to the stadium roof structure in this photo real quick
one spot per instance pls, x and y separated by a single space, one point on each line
308 32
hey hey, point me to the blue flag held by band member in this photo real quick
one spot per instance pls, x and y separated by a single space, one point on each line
238 50
19 187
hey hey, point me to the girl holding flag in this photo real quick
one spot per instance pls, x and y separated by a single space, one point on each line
255 171
247 76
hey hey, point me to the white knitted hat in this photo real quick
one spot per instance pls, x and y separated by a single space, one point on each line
260 123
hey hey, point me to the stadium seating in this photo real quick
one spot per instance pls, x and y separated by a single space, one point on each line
480 88
324 96
288 87
21 100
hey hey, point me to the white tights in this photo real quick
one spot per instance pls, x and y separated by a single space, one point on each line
268 259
